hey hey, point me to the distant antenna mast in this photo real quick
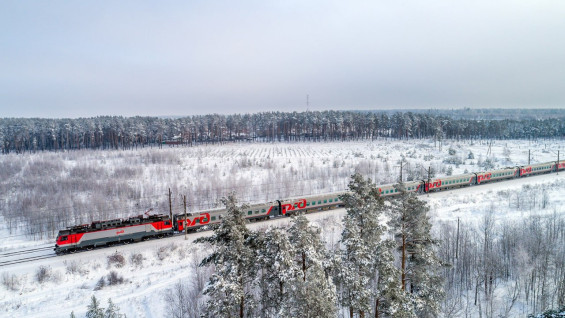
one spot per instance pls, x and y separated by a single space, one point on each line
307 101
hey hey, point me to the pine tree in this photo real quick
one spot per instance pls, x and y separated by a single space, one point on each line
314 294
278 271
233 257
367 263
94 309
112 311
419 263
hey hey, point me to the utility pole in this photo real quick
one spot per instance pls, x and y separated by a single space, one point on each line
185 221
557 162
457 241
528 157
170 206
401 162
429 179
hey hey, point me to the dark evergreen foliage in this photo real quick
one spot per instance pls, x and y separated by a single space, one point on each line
36 134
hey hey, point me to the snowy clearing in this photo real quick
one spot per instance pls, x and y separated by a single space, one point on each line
154 266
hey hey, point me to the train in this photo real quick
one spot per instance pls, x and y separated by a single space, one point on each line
142 227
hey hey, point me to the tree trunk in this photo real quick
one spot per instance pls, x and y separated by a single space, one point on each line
403 261
242 301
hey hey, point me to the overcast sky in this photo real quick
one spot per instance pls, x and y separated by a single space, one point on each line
159 58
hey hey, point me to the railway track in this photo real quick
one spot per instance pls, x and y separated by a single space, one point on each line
26 259
26 255
28 251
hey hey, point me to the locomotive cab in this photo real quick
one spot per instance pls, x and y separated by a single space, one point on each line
63 242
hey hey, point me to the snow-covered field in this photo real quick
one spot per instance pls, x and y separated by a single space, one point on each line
318 167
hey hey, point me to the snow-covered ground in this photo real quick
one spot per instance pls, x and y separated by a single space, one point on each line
74 277
167 261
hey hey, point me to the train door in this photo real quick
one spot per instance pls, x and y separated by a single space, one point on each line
276 210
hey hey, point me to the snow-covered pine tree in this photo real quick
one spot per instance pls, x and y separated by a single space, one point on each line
314 294
112 311
367 269
278 272
391 300
419 264
229 288
94 309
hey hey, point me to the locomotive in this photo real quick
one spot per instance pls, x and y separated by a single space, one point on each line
142 227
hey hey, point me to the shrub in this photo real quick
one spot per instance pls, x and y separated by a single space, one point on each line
43 274
117 260
100 284
10 281
136 259
162 253
114 279
74 267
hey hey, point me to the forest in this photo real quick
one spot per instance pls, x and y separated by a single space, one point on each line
35 134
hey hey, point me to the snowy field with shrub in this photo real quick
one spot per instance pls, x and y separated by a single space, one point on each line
76 187
513 225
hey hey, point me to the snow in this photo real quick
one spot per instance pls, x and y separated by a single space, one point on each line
142 294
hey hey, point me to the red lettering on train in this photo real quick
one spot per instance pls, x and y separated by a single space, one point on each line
300 204
120 232
204 218
525 171
483 177
433 185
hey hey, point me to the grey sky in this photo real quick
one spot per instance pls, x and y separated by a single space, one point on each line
89 58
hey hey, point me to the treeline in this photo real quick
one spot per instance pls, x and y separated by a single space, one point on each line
36 134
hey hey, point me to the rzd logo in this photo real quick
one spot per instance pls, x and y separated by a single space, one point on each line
204 218
526 171
300 204
432 185
483 177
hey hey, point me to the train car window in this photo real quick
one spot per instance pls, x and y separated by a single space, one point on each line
64 238
336 199
263 210
205 220
167 223
213 218
256 211
249 212
331 200
319 202
325 201
307 203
